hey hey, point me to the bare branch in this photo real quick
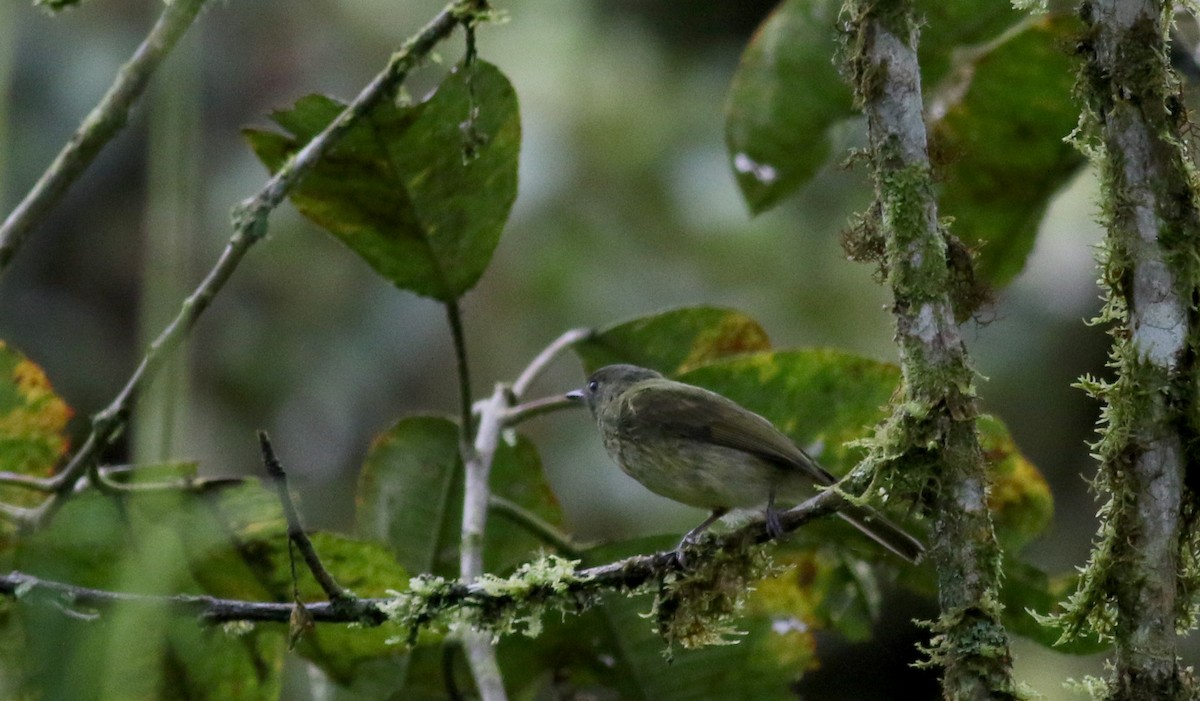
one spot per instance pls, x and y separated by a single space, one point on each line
296 533
543 359
480 652
16 479
515 415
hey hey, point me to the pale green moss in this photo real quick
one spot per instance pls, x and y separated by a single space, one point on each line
237 629
504 605
699 606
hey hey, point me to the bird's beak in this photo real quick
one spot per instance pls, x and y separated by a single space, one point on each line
575 395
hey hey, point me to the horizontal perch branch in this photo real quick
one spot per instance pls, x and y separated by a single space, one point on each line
622 575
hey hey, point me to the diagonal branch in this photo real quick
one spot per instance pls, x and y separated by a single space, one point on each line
250 225
98 128
543 359
295 530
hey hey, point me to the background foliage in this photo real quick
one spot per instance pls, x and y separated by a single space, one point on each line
628 203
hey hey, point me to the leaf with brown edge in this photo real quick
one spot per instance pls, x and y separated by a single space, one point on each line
674 341
1020 499
33 419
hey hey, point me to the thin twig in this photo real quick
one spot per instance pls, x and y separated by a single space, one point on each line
628 574
105 120
296 532
15 514
536 525
544 358
250 225
16 479
515 415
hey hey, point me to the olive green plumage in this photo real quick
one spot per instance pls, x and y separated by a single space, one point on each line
702 449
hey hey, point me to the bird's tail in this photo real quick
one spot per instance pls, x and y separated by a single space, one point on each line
884 532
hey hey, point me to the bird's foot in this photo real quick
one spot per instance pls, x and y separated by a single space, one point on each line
774 525
686 543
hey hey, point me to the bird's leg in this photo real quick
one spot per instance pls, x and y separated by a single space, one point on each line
774 527
694 534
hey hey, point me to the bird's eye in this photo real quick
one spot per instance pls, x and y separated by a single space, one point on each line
593 386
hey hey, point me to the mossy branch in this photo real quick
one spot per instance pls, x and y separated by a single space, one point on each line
493 605
933 426
1138 587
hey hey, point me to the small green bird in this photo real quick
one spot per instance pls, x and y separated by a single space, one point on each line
702 449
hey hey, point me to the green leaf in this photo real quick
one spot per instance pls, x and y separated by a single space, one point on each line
787 94
410 498
411 491
417 192
783 99
415 675
673 341
239 549
33 419
144 653
1004 149
140 544
410 494
367 570
57 5
823 587
949 25
229 542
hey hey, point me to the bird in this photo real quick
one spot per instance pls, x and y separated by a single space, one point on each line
703 449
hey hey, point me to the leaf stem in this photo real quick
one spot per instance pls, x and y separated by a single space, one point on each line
454 317
536 525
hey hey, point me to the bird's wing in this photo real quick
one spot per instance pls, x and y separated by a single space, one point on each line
698 414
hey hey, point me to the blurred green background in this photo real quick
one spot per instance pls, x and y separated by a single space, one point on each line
626 206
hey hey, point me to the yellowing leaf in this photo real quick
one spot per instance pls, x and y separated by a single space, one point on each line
33 418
